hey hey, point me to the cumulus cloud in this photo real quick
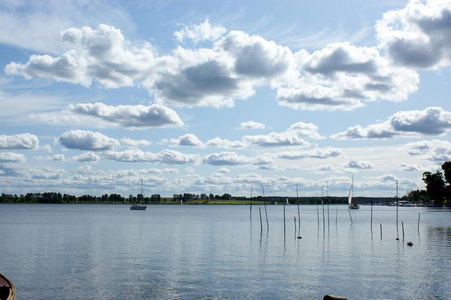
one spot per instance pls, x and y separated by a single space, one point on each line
358 164
275 139
187 140
293 136
202 78
87 140
100 54
254 56
252 125
223 143
170 157
339 76
86 157
56 157
410 168
19 141
314 153
262 160
430 121
135 143
200 32
418 35
138 116
434 150
225 158
46 174
343 76
224 170
11 157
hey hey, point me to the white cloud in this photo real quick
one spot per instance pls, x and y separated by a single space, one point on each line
418 35
131 155
19 141
252 125
275 139
87 140
200 32
101 54
197 78
223 143
188 140
254 56
430 121
343 76
46 174
434 150
314 153
138 116
56 157
262 160
358 164
11 157
169 157
293 136
135 143
410 168
86 157
224 170
84 170
225 158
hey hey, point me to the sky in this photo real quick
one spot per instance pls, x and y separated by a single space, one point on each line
293 97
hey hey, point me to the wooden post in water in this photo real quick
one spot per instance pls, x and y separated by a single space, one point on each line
397 234
284 226
261 225
294 226
317 214
250 207
324 219
418 226
336 216
328 202
402 225
371 219
381 231
266 212
299 213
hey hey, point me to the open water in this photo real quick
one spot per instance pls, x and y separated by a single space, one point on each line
217 252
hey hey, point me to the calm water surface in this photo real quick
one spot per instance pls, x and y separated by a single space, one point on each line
216 252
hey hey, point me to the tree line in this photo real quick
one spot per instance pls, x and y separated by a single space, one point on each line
438 186
437 192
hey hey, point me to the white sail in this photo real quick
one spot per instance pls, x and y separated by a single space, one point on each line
350 195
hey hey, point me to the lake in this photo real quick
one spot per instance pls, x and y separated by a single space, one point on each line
216 252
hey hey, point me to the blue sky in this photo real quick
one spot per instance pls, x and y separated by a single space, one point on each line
223 96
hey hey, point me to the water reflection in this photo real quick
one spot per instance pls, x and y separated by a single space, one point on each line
223 252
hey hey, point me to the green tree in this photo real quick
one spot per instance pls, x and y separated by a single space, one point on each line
446 167
435 186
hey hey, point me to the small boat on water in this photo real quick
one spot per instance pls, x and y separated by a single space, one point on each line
352 203
139 206
7 289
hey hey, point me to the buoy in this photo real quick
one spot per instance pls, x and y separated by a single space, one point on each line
409 244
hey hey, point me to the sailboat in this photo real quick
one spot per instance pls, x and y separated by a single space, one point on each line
139 206
352 203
